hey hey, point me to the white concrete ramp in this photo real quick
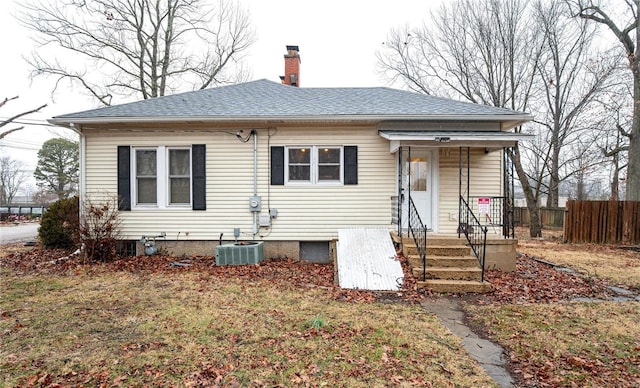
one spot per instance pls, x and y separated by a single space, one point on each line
366 260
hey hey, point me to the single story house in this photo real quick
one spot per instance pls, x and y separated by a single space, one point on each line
290 166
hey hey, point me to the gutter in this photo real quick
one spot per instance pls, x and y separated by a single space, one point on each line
515 120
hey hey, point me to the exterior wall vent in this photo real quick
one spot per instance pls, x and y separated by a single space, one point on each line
240 253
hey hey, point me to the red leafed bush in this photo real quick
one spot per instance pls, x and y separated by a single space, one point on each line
100 230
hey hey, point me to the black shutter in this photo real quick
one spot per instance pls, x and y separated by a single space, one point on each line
124 178
199 176
350 165
277 166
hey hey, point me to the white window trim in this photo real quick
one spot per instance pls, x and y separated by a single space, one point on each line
162 179
314 161
134 178
168 186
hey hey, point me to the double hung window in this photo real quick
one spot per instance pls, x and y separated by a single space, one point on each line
162 177
314 165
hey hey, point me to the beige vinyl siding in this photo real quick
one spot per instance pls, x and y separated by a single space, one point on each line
485 180
305 213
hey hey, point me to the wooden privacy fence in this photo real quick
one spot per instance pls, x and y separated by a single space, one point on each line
603 222
549 216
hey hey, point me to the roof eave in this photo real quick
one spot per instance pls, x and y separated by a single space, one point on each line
457 136
508 121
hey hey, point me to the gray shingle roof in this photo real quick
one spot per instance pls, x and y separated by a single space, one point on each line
264 99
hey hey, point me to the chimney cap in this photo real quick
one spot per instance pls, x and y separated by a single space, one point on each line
292 48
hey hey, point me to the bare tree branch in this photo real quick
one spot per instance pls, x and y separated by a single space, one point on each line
7 99
15 117
142 48
627 32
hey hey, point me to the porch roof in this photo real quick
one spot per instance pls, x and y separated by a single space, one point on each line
486 139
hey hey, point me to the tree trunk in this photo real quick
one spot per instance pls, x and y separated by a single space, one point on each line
580 190
633 170
615 195
535 228
554 176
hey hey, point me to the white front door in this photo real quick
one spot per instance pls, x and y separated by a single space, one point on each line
418 182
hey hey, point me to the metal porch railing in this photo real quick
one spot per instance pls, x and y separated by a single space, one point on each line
474 231
499 216
418 231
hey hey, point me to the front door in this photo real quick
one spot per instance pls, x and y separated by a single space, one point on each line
417 180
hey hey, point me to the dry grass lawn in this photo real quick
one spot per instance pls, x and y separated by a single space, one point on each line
618 266
570 344
577 344
193 329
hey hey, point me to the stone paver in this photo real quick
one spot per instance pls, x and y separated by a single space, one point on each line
489 355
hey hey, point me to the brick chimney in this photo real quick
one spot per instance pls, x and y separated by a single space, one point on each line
291 67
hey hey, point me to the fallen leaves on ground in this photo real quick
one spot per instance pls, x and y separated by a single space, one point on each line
568 344
551 341
532 282
536 282
619 265
192 328
283 272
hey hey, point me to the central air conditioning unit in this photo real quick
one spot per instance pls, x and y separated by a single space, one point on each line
239 253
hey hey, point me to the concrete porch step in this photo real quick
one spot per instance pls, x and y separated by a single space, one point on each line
455 286
450 265
444 261
439 250
449 273
438 240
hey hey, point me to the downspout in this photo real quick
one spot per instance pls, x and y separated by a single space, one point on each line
255 179
82 181
83 171
459 190
400 192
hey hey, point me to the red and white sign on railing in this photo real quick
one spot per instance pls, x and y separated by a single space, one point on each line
484 205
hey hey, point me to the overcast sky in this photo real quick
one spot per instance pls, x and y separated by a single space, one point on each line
338 40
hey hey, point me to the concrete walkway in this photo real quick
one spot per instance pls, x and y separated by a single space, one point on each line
489 355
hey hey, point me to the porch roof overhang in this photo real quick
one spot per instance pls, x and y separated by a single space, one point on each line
438 139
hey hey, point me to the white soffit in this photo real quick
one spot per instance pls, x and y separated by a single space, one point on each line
487 139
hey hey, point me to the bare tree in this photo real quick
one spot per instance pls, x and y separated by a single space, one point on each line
141 48
12 176
512 54
483 51
571 78
581 168
624 23
15 117
611 128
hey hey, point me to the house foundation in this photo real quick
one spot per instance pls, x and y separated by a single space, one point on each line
272 249
501 254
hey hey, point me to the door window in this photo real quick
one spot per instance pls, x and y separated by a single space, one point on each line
419 174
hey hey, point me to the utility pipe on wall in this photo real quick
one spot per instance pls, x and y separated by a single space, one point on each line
255 179
82 177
